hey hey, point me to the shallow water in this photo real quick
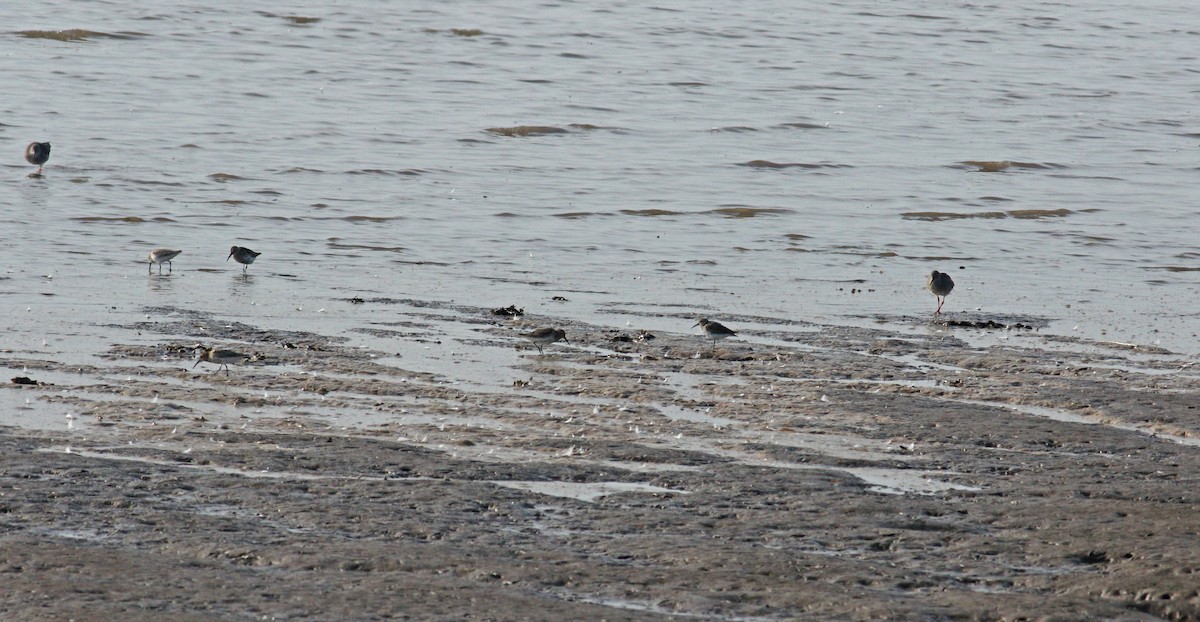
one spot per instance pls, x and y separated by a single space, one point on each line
806 162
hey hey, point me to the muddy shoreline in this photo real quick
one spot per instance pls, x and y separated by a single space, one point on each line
801 471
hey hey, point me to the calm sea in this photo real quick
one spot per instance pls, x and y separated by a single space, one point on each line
811 161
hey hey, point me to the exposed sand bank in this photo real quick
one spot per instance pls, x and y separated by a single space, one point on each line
797 471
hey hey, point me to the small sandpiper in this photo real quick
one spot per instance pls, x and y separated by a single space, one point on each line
242 255
160 256
220 357
545 336
941 285
714 330
37 154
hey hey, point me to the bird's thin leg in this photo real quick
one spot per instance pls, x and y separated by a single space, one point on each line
149 267
170 267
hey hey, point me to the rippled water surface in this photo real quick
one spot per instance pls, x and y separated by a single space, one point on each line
764 158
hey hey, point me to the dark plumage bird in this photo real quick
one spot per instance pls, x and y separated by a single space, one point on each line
545 336
243 256
941 285
37 154
714 330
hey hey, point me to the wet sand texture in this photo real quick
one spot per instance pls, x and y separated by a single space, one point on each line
798 472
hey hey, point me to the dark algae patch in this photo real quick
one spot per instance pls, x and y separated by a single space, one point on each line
1024 214
522 131
298 20
1000 166
78 34
750 212
767 164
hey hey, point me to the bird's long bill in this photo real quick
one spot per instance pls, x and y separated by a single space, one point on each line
197 362
696 324
230 255
566 340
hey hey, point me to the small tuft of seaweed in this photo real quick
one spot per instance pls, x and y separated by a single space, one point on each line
225 177
1174 268
988 325
370 219
590 127
78 34
366 247
749 212
777 165
522 131
803 126
295 19
990 166
1024 214
466 32
940 216
650 212
117 219
999 166
379 171
1031 214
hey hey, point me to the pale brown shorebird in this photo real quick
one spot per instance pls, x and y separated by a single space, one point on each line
941 285
545 336
222 358
37 154
160 256
242 255
715 331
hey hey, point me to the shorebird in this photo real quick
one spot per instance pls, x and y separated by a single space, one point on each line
545 336
221 358
714 330
159 256
941 285
242 255
37 154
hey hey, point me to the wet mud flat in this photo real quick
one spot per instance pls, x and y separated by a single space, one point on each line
799 471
